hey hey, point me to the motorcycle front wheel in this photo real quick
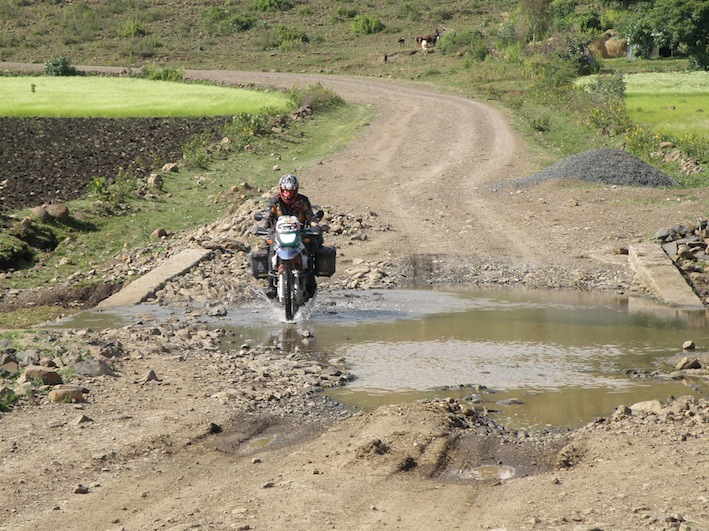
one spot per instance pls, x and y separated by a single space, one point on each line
288 294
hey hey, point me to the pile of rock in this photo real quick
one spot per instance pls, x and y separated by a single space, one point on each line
63 366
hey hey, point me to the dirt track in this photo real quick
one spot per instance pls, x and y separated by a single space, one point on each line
151 463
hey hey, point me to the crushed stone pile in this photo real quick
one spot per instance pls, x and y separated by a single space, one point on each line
600 165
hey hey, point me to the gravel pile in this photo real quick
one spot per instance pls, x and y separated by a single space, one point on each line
601 165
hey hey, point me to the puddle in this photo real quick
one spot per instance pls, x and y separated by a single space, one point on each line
534 358
486 472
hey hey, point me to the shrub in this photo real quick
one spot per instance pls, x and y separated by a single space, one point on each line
346 12
167 73
59 66
366 25
315 96
219 21
286 38
608 86
131 28
195 151
272 5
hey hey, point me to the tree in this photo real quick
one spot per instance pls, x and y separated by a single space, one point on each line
537 14
684 22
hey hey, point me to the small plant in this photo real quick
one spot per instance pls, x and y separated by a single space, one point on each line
59 66
195 151
118 191
7 399
366 25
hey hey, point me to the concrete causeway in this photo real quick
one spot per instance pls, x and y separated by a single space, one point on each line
139 290
654 268
659 274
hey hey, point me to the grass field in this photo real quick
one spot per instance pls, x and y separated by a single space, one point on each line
675 102
107 97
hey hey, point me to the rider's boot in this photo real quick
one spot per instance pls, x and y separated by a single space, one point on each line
271 292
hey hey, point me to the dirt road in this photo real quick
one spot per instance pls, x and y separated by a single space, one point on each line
150 456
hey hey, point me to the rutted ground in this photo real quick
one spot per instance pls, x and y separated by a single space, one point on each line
242 439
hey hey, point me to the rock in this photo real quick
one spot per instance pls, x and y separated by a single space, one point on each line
688 363
67 393
58 212
9 364
150 376
158 233
81 419
40 213
156 181
688 345
93 367
648 406
46 375
171 167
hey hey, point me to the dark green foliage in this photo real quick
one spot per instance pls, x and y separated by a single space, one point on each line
59 66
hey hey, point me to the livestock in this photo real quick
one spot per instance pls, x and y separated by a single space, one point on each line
426 41
430 39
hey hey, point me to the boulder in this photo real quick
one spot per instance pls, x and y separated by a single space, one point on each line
68 393
58 212
46 375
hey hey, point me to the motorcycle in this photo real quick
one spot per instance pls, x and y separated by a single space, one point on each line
292 260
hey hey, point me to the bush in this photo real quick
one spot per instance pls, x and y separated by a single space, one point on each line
608 86
366 25
167 73
59 66
272 5
286 38
219 21
132 28
315 96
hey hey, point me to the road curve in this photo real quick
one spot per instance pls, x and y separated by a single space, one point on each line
419 165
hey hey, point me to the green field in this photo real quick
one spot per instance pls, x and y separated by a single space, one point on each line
107 97
676 102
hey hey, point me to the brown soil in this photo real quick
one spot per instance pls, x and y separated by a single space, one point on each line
169 455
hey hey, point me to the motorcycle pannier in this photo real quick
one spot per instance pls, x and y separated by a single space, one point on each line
325 261
259 263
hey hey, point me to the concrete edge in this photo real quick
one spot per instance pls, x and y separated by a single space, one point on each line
138 290
659 274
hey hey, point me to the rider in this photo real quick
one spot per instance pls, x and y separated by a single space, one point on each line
288 202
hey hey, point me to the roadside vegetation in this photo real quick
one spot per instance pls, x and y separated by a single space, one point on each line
574 75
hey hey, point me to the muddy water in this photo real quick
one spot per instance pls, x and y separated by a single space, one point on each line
532 358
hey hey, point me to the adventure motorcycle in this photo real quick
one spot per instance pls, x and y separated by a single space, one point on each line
292 260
